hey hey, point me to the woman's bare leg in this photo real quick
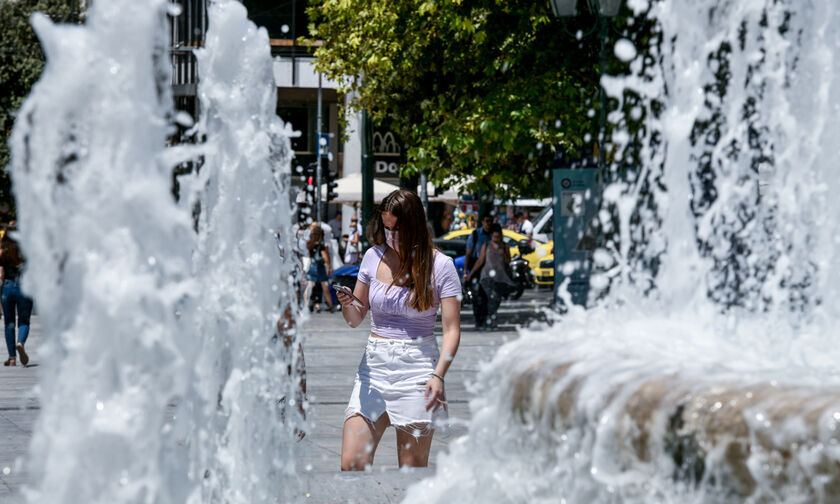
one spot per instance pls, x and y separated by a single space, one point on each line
307 293
359 441
327 296
414 451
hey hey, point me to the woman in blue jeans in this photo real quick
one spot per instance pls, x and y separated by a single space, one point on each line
15 304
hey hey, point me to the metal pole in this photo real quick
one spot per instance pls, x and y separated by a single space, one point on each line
424 194
367 171
318 156
294 43
602 118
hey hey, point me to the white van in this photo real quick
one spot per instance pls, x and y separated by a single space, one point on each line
544 225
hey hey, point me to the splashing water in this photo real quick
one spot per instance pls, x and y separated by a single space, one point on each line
734 206
164 377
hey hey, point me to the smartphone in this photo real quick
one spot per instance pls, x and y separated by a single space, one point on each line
343 288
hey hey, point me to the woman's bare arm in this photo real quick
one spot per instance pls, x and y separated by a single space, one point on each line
450 313
480 261
325 253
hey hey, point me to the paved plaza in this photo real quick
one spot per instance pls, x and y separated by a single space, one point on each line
333 351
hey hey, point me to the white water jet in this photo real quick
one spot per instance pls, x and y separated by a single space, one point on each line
139 312
745 293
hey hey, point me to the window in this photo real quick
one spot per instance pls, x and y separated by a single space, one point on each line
277 17
298 117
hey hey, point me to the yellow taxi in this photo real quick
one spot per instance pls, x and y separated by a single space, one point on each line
541 252
544 272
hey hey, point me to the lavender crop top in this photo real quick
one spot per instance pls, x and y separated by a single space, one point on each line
390 316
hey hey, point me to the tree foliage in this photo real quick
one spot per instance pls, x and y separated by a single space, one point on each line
21 62
478 89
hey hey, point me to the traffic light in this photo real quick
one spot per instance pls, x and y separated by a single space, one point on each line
310 177
332 184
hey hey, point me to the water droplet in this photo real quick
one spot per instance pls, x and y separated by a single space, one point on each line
7 470
284 28
152 261
100 406
625 50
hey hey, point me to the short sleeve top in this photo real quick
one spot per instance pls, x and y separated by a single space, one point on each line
391 316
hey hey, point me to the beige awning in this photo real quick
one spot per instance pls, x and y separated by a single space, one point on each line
349 189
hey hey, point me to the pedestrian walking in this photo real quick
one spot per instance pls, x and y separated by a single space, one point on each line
402 281
494 266
475 242
335 224
353 252
319 267
17 308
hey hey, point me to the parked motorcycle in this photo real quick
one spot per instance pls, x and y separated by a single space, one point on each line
521 276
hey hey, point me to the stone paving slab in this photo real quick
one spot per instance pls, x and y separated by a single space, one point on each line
333 352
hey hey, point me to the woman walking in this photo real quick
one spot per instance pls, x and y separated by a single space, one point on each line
494 263
15 304
402 281
319 268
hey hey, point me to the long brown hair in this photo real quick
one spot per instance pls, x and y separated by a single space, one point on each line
316 236
415 242
10 256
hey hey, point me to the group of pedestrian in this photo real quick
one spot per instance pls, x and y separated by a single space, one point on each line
320 254
17 307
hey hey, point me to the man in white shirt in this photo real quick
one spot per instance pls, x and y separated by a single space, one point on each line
526 227
335 224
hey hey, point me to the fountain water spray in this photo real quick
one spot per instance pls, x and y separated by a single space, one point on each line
163 377
711 377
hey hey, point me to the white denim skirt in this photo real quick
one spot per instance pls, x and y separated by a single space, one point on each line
392 379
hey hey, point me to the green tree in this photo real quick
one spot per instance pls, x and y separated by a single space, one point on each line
21 61
480 88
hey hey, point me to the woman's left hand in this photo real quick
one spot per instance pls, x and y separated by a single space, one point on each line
435 394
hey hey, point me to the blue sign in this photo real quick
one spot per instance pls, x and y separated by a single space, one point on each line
576 200
324 144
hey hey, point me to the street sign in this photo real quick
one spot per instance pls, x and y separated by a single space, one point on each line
324 144
576 201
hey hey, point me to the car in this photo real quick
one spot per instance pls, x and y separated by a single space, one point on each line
544 272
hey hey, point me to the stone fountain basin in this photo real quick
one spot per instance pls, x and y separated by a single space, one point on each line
735 440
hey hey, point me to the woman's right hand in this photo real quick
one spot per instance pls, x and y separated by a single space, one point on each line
344 299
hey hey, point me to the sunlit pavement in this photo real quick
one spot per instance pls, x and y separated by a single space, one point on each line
333 351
